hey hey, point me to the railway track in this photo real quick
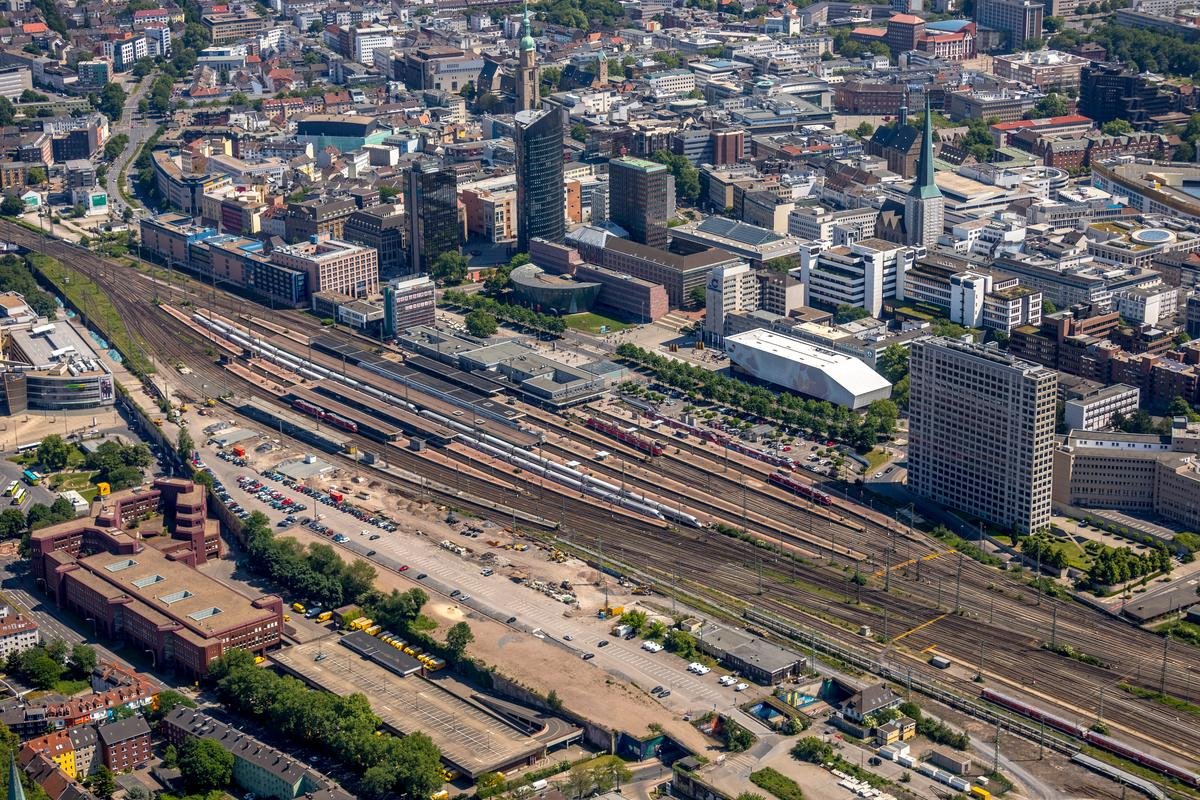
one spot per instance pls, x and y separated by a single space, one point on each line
1011 621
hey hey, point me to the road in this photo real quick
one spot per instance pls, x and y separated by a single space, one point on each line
137 133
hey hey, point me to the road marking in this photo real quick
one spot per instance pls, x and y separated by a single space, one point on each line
925 624
935 554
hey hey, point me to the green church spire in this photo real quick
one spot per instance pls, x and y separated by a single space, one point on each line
15 790
924 186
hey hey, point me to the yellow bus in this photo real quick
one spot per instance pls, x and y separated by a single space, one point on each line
18 496
12 487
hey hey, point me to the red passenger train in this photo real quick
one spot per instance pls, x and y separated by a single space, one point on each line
627 435
325 416
1091 737
802 489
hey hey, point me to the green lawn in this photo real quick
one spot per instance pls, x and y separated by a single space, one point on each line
79 481
85 295
590 322
67 687
876 459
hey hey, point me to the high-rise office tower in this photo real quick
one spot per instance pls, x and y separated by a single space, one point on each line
639 198
432 207
981 432
541 207
1020 19
528 89
924 207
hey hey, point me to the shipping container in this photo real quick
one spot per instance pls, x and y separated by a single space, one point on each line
941 662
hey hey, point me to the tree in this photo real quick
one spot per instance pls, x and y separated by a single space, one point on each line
12 206
170 757
170 699
40 669
12 523
487 102
579 132
1052 105
864 130
480 323
1048 307
205 765
698 296
8 112
1116 127
418 765
848 313
579 781
1180 408
357 579
36 176
38 516
58 650
53 453
636 620
457 639
388 193
83 659
102 783
687 179
892 363
377 782
450 268
111 101
1053 24
185 445
813 750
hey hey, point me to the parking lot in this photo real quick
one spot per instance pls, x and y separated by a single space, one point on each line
472 739
536 615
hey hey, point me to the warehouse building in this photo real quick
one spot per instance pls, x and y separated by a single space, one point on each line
805 368
750 656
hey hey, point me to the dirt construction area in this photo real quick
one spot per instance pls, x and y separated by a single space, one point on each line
542 666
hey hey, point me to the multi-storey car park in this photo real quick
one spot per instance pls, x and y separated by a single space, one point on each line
1009 626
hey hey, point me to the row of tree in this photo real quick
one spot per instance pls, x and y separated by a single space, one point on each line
1115 565
343 726
514 315
15 276
820 417
315 572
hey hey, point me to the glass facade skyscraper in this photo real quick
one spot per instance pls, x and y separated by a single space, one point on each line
432 207
541 207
